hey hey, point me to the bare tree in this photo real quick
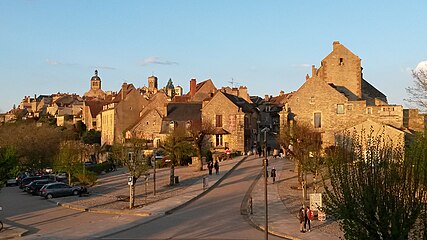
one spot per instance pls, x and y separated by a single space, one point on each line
418 92
198 132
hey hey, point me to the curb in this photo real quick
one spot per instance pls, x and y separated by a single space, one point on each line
118 212
243 211
15 232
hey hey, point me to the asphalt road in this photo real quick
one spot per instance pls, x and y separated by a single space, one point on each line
44 220
213 216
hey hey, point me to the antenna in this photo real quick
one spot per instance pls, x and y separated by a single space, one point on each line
233 82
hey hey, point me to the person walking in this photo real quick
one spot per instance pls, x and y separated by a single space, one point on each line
301 215
216 166
210 167
259 151
309 215
273 174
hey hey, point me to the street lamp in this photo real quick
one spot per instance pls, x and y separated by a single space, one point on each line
265 130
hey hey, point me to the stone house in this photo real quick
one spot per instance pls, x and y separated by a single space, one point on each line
337 97
149 123
198 91
121 113
234 120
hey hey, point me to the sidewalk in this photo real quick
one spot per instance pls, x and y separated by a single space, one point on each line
10 232
166 200
283 206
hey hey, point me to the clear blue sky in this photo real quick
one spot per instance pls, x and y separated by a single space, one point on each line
55 46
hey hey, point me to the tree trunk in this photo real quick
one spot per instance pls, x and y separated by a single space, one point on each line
69 178
199 159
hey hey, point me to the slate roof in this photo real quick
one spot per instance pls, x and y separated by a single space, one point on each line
240 102
95 106
183 111
370 92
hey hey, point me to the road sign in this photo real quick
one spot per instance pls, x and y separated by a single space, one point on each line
315 201
130 180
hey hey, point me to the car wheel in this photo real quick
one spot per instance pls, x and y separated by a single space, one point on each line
49 196
75 192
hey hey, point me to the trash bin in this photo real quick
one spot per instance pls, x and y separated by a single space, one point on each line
176 179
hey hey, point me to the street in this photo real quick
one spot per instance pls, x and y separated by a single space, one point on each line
214 216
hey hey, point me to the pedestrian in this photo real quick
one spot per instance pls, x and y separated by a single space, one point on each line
273 174
210 167
259 151
301 215
268 150
309 215
216 166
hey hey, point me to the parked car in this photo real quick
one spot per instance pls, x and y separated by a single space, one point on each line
28 180
21 176
58 189
35 186
11 182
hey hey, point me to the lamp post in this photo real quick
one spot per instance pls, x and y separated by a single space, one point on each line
265 130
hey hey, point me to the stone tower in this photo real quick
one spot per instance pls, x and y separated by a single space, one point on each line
95 82
343 69
152 83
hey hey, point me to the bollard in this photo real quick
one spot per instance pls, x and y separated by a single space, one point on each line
250 206
205 183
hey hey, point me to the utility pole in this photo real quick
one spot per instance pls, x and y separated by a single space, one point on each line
154 175
265 130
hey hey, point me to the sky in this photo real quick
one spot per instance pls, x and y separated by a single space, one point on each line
55 46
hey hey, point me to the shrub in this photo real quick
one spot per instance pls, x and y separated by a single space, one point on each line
86 178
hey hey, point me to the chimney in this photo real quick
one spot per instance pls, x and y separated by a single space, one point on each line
313 71
282 93
192 87
307 77
335 44
267 97
124 87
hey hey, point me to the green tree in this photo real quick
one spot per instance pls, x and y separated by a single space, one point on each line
131 155
92 137
178 145
8 163
375 190
307 147
69 159
35 145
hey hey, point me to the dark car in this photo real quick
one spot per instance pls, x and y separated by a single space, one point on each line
35 186
58 189
28 180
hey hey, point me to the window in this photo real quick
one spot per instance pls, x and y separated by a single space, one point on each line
350 107
317 120
340 108
218 121
311 100
341 61
218 139
369 110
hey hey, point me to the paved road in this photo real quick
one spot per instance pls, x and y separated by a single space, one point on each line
214 216
44 220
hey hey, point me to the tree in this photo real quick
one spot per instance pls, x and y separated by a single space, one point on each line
374 188
177 144
418 92
69 159
307 146
8 162
198 133
36 146
92 137
131 155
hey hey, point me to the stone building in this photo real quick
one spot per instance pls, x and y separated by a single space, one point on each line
337 97
149 123
234 120
121 113
198 91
